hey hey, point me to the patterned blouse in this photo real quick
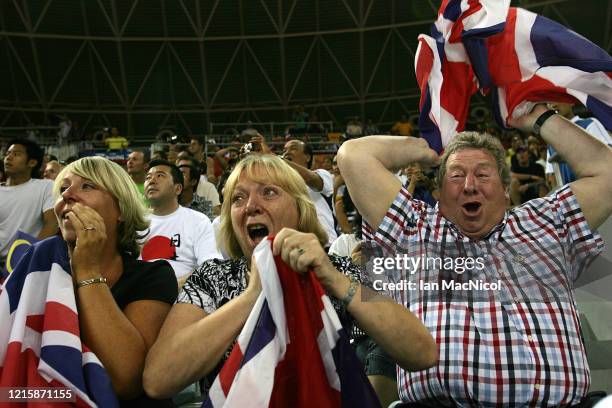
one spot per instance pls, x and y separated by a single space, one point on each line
218 281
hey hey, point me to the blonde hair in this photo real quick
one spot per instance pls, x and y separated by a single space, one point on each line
268 169
112 178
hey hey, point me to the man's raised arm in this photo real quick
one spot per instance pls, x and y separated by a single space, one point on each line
589 158
367 164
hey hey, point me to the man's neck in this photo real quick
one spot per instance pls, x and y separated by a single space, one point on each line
187 197
138 178
17 179
166 208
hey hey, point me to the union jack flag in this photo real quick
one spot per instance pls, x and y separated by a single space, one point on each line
291 353
513 55
40 344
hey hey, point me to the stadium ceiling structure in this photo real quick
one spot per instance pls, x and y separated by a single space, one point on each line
143 65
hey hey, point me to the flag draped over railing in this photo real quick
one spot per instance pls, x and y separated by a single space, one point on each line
40 344
292 351
511 54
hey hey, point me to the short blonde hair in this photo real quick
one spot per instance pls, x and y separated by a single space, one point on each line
268 169
111 177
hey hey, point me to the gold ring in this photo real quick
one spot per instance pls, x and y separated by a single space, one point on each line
89 228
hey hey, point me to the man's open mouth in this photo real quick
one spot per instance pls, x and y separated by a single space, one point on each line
472 207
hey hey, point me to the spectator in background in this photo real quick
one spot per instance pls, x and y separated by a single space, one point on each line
227 159
402 127
557 171
314 127
419 184
516 142
26 203
370 128
320 183
52 170
527 178
300 117
354 128
115 141
212 164
65 126
182 236
159 155
207 204
46 159
137 166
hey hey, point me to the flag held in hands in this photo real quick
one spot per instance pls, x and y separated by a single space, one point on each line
292 351
40 344
513 55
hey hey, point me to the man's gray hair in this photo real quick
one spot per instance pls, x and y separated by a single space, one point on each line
475 140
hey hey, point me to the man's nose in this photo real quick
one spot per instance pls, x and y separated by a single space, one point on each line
470 183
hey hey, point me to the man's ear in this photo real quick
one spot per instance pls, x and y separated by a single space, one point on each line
32 163
178 188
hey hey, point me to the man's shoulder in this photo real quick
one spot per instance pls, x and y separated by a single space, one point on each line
194 217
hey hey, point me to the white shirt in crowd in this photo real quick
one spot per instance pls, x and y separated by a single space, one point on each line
594 128
208 191
22 208
184 238
320 200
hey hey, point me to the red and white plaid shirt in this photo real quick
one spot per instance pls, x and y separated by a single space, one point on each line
517 346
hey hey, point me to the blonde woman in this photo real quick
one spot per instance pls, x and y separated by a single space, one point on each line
265 196
122 302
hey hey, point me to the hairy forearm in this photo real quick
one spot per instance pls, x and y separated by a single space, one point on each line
181 357
113 338
366 165
392 152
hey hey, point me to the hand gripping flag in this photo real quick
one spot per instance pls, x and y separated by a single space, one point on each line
516 56
292 351
40 343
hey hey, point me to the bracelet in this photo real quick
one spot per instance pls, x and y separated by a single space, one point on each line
541 119
351 291
86 282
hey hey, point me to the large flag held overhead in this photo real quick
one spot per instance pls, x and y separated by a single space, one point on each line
292 351
40 343
512 54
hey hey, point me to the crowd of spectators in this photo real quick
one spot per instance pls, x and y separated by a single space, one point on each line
192 190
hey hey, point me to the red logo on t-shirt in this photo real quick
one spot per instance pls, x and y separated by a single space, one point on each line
158 247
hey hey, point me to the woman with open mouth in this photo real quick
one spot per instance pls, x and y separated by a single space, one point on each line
264 197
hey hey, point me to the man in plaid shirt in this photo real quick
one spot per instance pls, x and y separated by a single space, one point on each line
519 345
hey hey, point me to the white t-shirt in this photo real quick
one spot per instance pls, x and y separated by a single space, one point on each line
319 198
21 209
343 245
184 238
208 191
